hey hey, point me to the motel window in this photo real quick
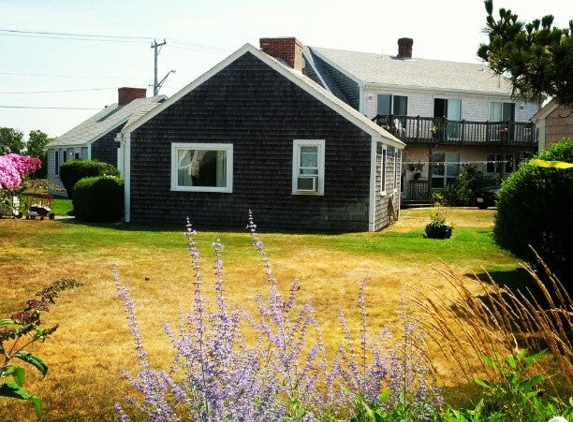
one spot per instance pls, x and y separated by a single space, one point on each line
308 167
200 167
445 168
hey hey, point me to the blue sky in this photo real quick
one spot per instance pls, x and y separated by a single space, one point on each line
53 82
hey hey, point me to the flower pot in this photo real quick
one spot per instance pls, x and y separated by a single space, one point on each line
443 231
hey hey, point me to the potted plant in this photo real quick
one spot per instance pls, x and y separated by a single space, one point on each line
439 227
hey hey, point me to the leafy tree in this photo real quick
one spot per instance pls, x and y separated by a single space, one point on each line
536 56
36 147
37 141
11 141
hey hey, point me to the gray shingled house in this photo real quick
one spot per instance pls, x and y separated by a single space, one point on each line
449 114
94 138
256 134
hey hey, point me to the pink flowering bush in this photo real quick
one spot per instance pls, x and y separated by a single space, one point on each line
13 171
14 168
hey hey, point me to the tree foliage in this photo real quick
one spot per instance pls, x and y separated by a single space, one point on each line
11 141
37 141
36 147
537 57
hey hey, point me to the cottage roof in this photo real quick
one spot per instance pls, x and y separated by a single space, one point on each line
296 77
379 70
545 111
105 121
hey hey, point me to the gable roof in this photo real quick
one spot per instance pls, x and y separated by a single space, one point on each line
294 76
378 70
105 121
545 111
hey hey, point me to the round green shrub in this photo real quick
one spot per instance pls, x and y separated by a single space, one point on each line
99 199
535 210
74 170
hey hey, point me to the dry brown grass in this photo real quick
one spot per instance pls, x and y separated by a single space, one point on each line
93 343
493 321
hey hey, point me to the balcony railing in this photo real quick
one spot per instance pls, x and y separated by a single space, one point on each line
443 131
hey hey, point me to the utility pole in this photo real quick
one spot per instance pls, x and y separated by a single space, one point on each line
156 49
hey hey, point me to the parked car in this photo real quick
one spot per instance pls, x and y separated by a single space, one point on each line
486 197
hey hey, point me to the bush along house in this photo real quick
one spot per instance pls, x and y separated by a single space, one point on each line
94 138
448 114
254 133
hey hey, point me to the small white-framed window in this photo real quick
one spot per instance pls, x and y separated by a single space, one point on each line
308 166
202 167
383 171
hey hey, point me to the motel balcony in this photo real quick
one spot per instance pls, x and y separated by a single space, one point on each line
428 130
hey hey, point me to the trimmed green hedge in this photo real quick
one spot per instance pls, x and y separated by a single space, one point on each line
535 207
99 199
74 170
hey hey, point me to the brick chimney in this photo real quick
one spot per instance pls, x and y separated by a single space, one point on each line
287 49
405 48
126 95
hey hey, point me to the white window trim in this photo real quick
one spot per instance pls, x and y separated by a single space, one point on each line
297 144
176 146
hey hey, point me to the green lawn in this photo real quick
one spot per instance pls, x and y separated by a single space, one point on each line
93 342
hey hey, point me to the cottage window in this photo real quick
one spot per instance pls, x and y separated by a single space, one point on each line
202 167
308 167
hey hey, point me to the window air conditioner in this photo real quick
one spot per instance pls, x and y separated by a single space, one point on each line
307 184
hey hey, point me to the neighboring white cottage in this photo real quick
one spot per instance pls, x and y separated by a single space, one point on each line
94 139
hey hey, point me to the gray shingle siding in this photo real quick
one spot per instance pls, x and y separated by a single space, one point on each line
260 112
341 85
105 148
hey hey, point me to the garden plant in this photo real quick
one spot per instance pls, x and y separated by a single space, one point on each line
281 372
18 333
535 213
14 169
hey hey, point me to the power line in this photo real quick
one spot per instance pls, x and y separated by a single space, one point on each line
59 76
50 108
73 36
112 38
55 92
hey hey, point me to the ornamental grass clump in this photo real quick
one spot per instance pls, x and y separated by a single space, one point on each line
271 364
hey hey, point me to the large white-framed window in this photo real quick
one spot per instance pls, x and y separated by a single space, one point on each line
202 167
308 166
